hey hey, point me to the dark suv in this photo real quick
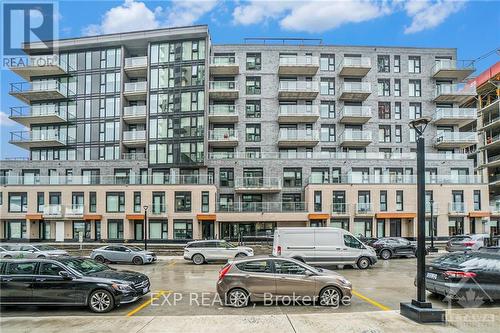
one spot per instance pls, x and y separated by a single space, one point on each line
389 247
68 281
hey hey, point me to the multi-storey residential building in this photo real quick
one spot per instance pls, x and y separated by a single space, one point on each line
226 141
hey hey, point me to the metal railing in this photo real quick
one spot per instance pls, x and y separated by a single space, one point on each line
364 208
222 85
74 210
36 136
134 111
487 122
293 134
52 210
456 137
257 182
223 60
299 61
134 135
355 178
131 87
490 140
261 207
37 86
222 135
456 207
340 208
292 86
359 62
298 110
356 111
222 110
136 62
451 64
455 113
35 111
356 87
455 89
493 158
134 156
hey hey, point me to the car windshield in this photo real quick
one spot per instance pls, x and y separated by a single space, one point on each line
86 266
45 247
134 248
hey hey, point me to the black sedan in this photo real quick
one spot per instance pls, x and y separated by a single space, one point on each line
390 247
68 281
466 277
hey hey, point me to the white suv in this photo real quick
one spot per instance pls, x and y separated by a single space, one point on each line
214 250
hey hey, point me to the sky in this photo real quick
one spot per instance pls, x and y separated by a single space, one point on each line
473 27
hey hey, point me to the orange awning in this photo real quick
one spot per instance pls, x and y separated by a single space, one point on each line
395 215
206 217
479 214
316 216
135 217
34 217
90 217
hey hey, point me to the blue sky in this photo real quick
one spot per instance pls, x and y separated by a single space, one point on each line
473 27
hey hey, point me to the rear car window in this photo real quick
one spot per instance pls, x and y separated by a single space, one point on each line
288 267
21 268
258 266
460 238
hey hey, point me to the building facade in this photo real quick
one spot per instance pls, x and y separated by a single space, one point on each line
232 141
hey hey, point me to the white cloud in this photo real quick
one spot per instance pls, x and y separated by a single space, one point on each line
5 121
134 15
426 14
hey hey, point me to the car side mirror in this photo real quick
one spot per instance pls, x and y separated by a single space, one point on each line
65 275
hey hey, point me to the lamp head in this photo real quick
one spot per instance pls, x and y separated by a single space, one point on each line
146 207
420 124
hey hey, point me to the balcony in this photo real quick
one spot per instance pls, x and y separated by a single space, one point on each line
355 91
340 209
134 138
74 211
52 211
297 138
452 69
455 139
135 114
454 93
38 139
224 65
355 66
492 161
223 138
298 114
262 207
495 209
494 180
134 156
46 65
364 209
352 138
39 91
32 115
492 142
454 116
456 208
222 113
136 66
353 114
257 185
298 65
135 91
298 90
223 90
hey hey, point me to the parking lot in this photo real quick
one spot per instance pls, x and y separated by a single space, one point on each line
180 288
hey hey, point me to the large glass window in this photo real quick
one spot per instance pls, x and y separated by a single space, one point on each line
383 62
327 62
18 202
252 109
182 201
254 61
115 202
183 229
253 85
158 229
292 177
115 229
253 133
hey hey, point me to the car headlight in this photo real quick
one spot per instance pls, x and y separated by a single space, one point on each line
122 287
344 281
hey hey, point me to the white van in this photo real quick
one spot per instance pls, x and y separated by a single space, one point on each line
322 246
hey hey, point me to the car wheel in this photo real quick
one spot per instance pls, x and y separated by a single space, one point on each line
101 301
7 257
237 298
363 263
100 259
385 254
330 296
198 259
137 261
241 255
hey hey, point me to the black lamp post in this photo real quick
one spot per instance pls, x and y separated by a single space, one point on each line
145 227
432 248
419 309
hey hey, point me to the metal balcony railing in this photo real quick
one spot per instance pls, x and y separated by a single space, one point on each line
40 86
134 156
36 111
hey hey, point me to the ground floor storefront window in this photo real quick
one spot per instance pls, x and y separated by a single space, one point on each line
15 229
363 227
183 229
340 223
81 228
236 231
115 229
44 231
456 226
429 227
158 229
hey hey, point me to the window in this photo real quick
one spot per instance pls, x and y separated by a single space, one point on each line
327 133
205 202
20 268
384 133
384 110
414 88
397 110
399 200
115 202
415 110
40 201
92 202
18 202
226 177
352 242
288 267
383 201
50 269
183 229
397 87
182 201
254 61
327 109
397 134
115 229
137 202
159 206
327 86
477 200
397 64
253 133
384 87
252 109
292 177
383 62
327 62
339 202
414 64
260 266
318 205
253 85
81 228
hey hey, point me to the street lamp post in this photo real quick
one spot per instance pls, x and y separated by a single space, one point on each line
432 248
419 309
145 227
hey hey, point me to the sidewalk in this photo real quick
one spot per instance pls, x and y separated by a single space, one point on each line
484 320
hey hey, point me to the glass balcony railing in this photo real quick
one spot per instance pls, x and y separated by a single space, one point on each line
356 87
261 207
296 86
222 85
450 137
455 89
40 86
258 182
455 113
223 60
136 62
356 111
298 110
134 111
340 208
222 135
364 208
52 210
456 207
299 61
356 136
450 64
292 134
74 210
222 110
361 62
36 111
158 209
40 136
134 87
134 135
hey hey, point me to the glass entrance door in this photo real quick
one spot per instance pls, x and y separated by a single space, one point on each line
138 230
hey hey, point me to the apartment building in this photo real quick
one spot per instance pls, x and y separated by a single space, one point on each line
232 141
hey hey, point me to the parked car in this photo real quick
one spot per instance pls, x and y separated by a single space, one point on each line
322 246
458 274
68 281
200 252
31 251
490 249
471 242
390 247
5 251
270 278
119 253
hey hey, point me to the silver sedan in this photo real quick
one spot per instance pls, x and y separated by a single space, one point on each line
123 254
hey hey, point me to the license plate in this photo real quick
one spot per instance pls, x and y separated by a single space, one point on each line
432 276
145 290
